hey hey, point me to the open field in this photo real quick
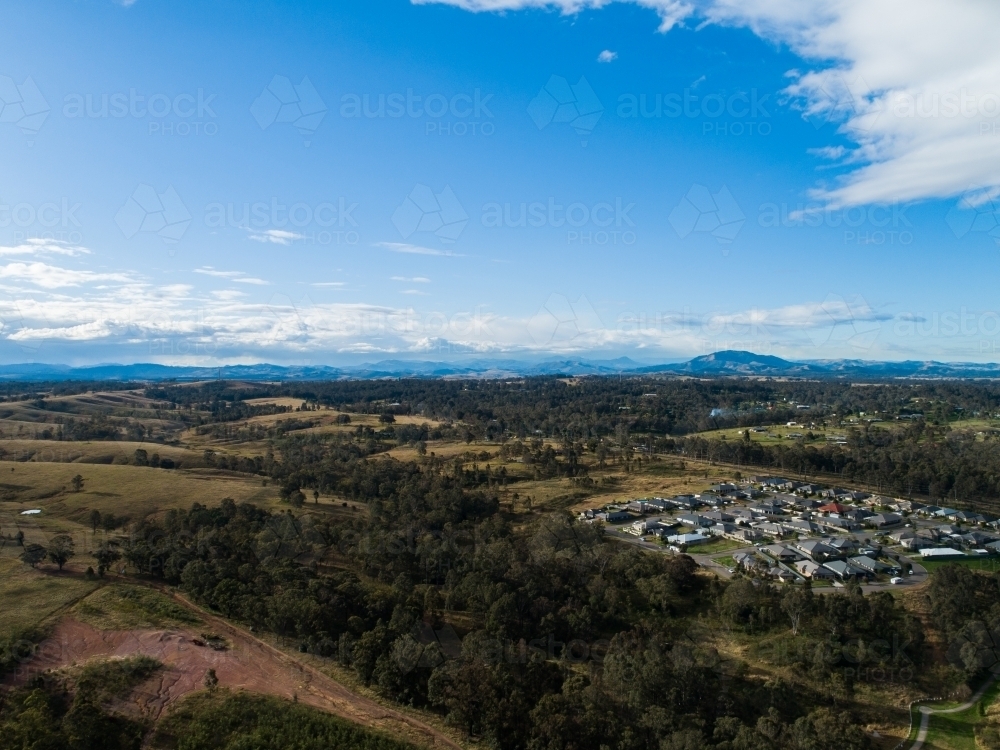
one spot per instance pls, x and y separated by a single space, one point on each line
29 597
126 491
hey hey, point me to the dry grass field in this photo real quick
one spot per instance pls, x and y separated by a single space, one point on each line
31 598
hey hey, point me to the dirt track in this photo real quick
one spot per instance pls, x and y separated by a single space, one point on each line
248 664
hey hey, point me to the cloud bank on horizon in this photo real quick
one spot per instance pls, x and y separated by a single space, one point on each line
913 84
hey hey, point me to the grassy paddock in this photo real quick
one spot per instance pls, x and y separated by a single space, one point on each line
28 597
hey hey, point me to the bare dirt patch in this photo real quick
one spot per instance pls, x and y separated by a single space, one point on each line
245 664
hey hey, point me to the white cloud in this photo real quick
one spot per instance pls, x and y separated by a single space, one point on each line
237 277
43 247
402 247
914 86
52 277
412 279
276 236
330 283
415 291
607 56
671 12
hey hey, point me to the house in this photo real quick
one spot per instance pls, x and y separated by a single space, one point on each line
782 575
845 571
723 529
687 540
929 510
834 493
993 547
946 512
723 489
781 553
801 526
746 560
906 506
976 539
838 524
941 553
964 516
857 514
816 550
833 507
709 498
884 520
807 489
809 569
694 519
770 529
842 545
872 566
687 502
613 516
948 530
915 543
743 534
742 515
898 536
641 506
647 526
766 509
718 516
807 503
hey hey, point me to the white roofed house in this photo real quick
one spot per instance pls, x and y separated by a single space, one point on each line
687 540
915 543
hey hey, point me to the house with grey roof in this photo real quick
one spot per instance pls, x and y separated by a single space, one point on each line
816 550
844 570
781 553
809 569
874 567
884 520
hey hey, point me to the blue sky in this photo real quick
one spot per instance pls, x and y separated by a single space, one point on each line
329 182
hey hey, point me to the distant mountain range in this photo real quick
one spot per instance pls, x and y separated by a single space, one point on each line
735 363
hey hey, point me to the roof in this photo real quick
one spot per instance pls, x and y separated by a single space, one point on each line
834 508
941 552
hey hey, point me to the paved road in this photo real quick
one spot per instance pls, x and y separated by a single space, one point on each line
927 711
919 572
